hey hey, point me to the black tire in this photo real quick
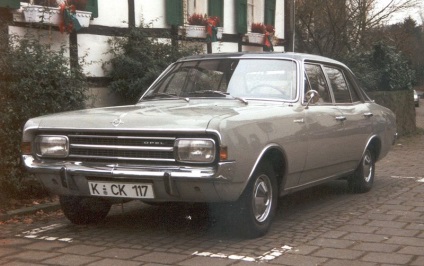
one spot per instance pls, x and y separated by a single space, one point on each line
252 214
363 178
81 210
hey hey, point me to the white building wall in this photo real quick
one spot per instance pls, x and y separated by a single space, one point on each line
229 17
151 11
53 38
279 19
94 50
112 13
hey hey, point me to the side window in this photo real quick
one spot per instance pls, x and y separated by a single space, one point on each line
342 90
353 92
316 78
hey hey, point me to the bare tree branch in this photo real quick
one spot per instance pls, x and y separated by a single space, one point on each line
335 27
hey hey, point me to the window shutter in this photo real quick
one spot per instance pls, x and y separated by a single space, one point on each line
216 8
241 16
174 12
15 4
93 8
270 12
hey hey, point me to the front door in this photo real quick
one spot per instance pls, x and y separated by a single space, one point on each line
326 134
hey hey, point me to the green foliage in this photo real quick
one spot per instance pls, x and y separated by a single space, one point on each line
138 59
382 68
34 81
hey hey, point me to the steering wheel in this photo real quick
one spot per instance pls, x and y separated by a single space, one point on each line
267 87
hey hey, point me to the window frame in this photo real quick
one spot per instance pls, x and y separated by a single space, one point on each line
350 85
177 11
327 85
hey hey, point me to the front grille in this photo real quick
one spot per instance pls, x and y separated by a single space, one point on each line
125 148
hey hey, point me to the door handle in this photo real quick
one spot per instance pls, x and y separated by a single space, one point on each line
341 118
368 114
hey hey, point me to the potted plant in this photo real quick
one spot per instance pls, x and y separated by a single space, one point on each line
257 33
69 15
196 26
202 26
261 34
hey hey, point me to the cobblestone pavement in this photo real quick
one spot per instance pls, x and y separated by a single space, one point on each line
326 225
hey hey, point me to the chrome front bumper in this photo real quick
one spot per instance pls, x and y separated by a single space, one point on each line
170 183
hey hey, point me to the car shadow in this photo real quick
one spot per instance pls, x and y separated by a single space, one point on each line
176 219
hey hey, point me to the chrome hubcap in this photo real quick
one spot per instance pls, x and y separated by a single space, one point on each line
367 166
262 198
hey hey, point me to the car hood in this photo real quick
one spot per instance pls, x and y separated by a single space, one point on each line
170 115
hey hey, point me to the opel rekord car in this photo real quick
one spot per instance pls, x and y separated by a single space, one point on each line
235 130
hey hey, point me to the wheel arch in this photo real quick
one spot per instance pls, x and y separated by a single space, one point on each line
276 156
374 144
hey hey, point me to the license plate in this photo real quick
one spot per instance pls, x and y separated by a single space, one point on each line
121 190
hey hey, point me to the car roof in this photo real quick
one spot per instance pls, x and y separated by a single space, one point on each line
249 55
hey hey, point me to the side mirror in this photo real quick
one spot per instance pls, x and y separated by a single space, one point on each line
312 96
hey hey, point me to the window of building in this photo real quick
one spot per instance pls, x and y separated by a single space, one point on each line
177 11
254 11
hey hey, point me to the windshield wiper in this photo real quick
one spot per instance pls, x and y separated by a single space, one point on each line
210 92
241 100
219 93
165 95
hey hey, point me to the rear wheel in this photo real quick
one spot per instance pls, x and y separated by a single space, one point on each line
257 205
81 210
363 178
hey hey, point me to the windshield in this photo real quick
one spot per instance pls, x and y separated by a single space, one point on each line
237 78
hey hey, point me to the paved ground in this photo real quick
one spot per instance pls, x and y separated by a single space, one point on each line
326 225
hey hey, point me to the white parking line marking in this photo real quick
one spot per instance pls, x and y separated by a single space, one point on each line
35 233
43 229
419 178
267 256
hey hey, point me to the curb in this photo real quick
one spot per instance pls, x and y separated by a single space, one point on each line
46 207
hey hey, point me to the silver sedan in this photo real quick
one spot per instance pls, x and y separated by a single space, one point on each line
235 131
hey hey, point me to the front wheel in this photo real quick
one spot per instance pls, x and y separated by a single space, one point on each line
363 178
257 205
81 210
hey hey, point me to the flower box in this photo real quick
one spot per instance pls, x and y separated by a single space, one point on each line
51 15
194 31
257 38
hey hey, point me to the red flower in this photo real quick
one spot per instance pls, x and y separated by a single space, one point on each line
257 28
197 19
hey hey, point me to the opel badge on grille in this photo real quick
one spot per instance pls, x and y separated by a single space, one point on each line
118 120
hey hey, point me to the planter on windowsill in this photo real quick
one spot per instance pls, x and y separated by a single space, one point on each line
194 31
51 15
257 38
